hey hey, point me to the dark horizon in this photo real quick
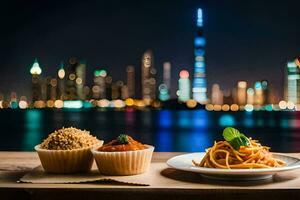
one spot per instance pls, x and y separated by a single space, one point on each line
245 41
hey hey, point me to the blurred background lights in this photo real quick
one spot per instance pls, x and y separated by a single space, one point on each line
103 103
78 81
297 62
184 74
209 107
226 120
61 73
217 108
282 105
87 104
234 107
100 72
199 17
250 91
118 103
269 107
23 104
13 104
258 85
249 107
225 107
76 104
129 102
72 77
50 103
35 69
39 104
242 84
290 105
58 104
191 103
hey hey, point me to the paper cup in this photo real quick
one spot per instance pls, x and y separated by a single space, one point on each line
66 161
123 163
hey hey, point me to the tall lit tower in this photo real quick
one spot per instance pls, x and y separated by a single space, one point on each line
292 82
184 88
164 88
258 94
250 96
199 83
36 86
167 74
242 93
61 81
80 79
99 88
75 81
148 76
70 89
216 95
130 81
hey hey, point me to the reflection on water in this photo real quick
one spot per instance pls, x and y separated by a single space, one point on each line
33 128
200 119
226 120
167 130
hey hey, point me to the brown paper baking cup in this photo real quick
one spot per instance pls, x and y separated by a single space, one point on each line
123 163
66 161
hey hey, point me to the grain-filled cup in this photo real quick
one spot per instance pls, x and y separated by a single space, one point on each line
67 150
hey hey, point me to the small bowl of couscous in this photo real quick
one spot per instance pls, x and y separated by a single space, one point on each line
67 150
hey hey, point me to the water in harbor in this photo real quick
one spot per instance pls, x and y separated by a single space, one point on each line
167 130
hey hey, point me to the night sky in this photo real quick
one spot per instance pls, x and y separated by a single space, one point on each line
246 40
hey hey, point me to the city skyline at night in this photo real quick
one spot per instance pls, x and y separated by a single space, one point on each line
232 54
69 88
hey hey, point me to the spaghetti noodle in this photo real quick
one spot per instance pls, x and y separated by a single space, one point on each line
223 155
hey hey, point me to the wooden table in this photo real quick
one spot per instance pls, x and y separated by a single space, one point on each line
165 184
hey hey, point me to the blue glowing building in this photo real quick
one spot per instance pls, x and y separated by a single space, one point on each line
199 83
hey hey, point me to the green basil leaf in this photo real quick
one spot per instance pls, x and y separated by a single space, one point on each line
246 141
230 133
122 139
237 142
235 138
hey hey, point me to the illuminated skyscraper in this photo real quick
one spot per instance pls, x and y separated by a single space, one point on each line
148 77
70 89
51 88
164 88
250 96
152 83
124 92
199 82
216 95
61 81
116 90
292 82
99 88
241 93
266 92
184 86
108 83
167 74
80 79
258 94
75 79
163 92
36 83
130 81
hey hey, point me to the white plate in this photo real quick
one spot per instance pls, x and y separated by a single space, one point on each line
184 162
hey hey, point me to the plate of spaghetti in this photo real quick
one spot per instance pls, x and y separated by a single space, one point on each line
237 157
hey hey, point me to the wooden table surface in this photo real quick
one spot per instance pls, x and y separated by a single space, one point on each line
166 183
